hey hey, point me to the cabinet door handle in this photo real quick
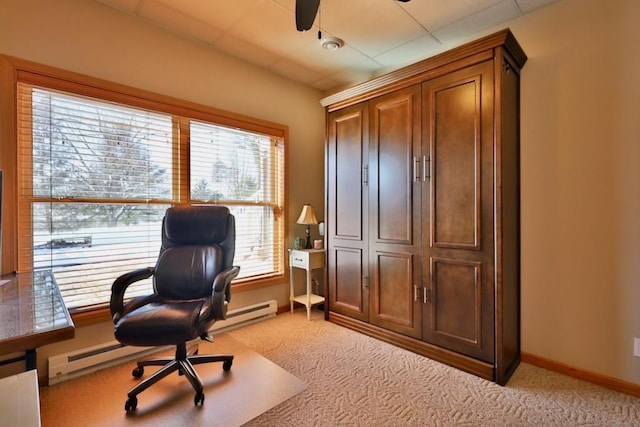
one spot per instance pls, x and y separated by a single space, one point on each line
426 295
426 162
416 160
415 293
365 175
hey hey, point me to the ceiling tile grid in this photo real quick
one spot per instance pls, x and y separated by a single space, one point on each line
379 35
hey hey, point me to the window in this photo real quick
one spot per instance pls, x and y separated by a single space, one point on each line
96 174
245 168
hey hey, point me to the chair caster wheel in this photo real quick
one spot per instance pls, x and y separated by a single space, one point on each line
131 404
199 398
226 365
137 372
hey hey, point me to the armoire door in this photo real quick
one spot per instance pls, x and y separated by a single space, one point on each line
458 240
347 211
394 211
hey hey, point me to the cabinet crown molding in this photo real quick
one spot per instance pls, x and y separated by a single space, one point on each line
472 52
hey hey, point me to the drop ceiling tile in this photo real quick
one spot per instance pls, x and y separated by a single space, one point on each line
295 71
435 14
287 4
215 13
376 27
352 11
245 50
358 73
312 55
326 83
176 21
466 28
124 5
369 66
413 51
527 6
272 27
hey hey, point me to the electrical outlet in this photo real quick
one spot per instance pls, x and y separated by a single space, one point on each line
636 347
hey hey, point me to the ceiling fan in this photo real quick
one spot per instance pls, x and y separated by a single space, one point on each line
306 11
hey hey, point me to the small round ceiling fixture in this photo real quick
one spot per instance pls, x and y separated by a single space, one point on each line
331 43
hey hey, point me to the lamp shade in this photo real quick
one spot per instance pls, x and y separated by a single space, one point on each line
307 216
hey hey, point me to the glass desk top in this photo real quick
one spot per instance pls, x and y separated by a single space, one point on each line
32 312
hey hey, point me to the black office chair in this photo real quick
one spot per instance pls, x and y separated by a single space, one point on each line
191 282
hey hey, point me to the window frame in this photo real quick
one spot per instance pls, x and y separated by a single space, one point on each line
14 70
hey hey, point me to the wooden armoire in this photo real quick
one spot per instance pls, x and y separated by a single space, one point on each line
423 210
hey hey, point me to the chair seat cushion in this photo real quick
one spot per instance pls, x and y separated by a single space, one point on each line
161 322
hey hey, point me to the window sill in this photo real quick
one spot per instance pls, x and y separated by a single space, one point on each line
90 316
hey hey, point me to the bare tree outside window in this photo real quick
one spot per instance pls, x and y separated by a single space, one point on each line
102 155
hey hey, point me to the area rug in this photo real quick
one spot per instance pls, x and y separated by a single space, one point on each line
252 386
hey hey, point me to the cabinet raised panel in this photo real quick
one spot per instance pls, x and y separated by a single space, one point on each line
347 152
455 118
393 304
391 153
454 319
347 292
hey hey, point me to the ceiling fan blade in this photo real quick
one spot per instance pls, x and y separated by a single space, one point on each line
306 13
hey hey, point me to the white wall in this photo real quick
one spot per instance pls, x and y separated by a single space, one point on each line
581 184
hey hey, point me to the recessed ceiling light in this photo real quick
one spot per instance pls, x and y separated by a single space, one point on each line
331 43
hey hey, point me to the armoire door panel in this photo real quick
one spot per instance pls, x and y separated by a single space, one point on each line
459 312
347 287
458 247
395 237
347 134
395 141
347 211
393 127
393 304
456 286
455 316
455 138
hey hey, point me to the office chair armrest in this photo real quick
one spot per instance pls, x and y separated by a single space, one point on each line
120 285
224 278
220 295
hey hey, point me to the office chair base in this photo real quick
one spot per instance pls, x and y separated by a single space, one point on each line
183 363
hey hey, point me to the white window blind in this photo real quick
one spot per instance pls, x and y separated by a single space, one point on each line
95 178
240 169
88 170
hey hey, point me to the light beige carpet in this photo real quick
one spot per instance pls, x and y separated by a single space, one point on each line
252 386
355 380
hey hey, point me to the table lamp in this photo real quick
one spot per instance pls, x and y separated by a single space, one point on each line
307 217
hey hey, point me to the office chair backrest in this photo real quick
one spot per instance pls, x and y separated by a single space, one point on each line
198 242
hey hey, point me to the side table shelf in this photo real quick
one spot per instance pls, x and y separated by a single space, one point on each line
309 260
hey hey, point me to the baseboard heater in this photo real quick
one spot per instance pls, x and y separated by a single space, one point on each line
70 365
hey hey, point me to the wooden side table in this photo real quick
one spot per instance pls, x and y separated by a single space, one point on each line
309 260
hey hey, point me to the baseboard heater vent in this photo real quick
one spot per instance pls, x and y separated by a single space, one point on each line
70 365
